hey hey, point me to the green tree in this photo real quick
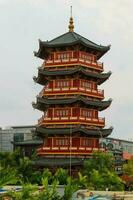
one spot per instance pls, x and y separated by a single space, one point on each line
49 192
61 175
6 159
7 176
128 168
82 181
36 177
128 174
28 192
47 174
100 173
96 180
10 159
25 169
69 189
113 181
99 161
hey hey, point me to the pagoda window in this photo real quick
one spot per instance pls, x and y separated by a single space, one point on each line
61 142
62 83
62 112
86 56
86 84
86 113
63 55
87 142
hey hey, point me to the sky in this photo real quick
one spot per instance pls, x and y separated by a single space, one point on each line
23 22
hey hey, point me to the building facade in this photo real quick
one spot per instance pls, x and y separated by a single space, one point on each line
70 99
118 144
21 137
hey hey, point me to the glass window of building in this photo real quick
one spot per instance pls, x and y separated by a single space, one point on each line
18 137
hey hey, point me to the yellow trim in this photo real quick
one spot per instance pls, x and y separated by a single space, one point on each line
73 93
43 123
61 65
77 153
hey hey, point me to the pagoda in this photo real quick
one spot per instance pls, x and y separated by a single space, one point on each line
70 100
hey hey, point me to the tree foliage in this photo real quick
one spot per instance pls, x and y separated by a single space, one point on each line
128 168
61 175
100 173
7 176
70 188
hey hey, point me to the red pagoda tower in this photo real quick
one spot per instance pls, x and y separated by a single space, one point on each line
70 99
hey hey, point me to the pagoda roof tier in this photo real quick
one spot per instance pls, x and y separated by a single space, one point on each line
43 74
52 162
43 103
69 39
96 133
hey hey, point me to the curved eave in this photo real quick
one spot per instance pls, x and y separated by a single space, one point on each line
98 133
41 79
99 48
44 49
44 103
44 74
69 39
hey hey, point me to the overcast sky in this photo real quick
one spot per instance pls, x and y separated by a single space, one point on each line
23 22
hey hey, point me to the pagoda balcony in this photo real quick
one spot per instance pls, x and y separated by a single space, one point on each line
70 58
72 91
68 150
44 121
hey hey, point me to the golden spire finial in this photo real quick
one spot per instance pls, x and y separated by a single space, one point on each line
71 26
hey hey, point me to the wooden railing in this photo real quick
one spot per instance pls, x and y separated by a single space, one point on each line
71 120
72 90
73 57
68 150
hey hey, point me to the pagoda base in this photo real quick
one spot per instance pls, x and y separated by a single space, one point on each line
58 162
72 164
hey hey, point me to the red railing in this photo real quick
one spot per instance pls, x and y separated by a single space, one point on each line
68 150
71 119
73 57
72 90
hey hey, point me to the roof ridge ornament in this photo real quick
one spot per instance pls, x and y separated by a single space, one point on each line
71 25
